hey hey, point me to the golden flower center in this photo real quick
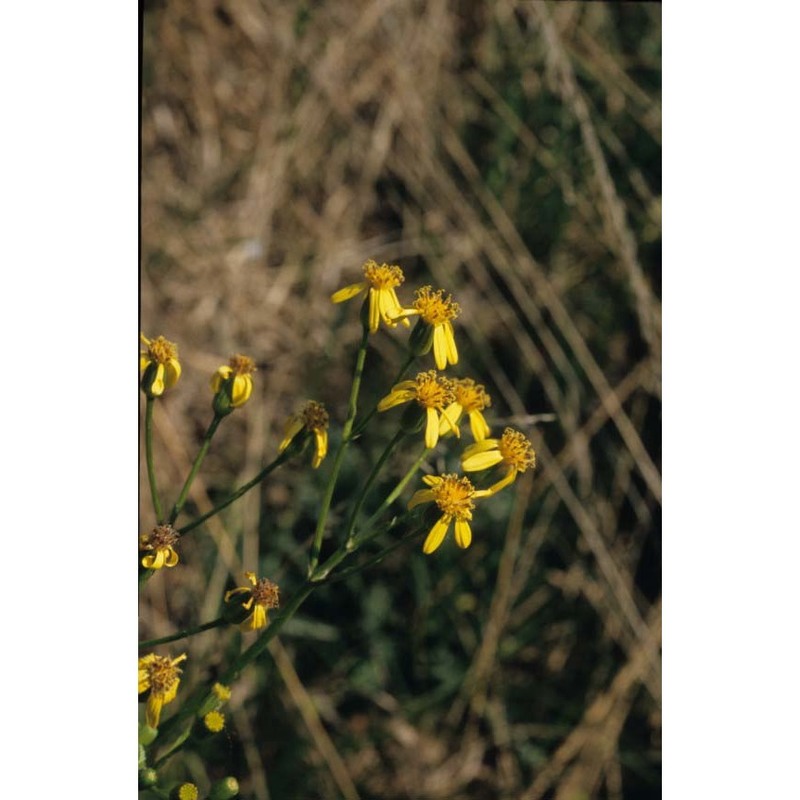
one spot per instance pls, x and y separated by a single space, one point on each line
434 307
266 593
162 674
433 390
315 417
160 538
453 495
188 791
242 365
382 276
471 396
162 351
516 450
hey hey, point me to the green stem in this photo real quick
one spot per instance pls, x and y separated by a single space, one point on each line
347 430
364 535
238 493
370 480
206 626
148 450
212 429
403 369
368 531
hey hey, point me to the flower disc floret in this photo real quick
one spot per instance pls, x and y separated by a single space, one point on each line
431 391
455 497
160 542
380 281
159 365
214 721
159 675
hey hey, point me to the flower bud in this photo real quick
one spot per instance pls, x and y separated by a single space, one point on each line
147 734
147 777
186 791
224 789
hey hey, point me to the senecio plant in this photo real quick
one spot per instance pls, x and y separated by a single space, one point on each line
431 407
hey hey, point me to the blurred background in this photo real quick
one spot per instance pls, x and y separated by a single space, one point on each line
509 152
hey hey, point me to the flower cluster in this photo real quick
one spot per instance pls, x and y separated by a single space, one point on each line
438 403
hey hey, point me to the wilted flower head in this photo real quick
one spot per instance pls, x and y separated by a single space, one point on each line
312 418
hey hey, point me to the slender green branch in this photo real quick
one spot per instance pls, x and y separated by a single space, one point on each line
370 480
366 532
403 369
212 429
238 493
148 450
337 463
206 626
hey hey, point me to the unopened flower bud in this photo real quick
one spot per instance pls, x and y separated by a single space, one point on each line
224 789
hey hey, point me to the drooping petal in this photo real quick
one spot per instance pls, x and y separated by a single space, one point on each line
157 386
450 341
321 440
503 482
419 497
242 389
152 710
477 423
293 426
222 374
450 423
171 558
478 461
439 347
480 447
237 590
348 292
432 480
436 535
172 372
463 534
453 412
374 310
431 428
396 397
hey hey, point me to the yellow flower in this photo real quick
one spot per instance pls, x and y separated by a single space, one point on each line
455 498
471 398
435 312
432 392
381 281
240 369
161 541
214 721
313 418
158 365
159 674
513 450
263 595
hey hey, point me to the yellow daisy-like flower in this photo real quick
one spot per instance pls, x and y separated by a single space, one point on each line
433 392
161 543
240 368
313 418
187 791
159 675
261 596
380 280
158 365
512 449
471 399
436 311
455 498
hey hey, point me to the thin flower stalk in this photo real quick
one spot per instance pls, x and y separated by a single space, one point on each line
209 435
352 409
148 450
185 634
